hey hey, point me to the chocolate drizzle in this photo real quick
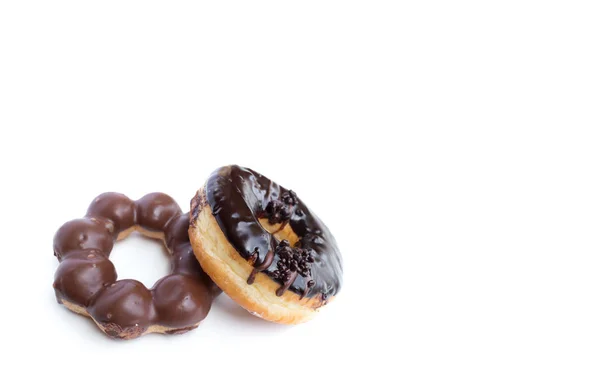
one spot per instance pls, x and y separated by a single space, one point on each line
266 263
239 197
293 262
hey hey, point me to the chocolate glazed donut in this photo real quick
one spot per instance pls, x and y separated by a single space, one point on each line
263 246
86 280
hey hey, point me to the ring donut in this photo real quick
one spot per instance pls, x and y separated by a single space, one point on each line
86 280
263 247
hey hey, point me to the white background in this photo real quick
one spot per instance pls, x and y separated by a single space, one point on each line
451 147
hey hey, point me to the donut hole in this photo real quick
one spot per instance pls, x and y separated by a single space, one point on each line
141 258
280 232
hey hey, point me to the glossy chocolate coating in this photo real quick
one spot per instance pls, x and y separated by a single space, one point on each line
238 196
82 274
155 210
179 297
186 264
126 308
84 233
116 207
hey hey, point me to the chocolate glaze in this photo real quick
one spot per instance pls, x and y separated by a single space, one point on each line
155 210
82 274
239 196
188 296
84 233
126 308
116 207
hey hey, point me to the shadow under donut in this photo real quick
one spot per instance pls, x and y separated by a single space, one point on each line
240 315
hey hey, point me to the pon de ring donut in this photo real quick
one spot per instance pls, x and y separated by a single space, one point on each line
86 280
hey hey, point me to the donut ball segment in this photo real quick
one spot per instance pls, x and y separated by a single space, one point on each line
230 271
86 280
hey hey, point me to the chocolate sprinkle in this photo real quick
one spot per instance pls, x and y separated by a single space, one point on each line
279 211
292 260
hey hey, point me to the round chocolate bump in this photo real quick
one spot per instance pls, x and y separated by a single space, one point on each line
155 210
78 278
184 262
116 207
181 301
121 305
176 231
82 234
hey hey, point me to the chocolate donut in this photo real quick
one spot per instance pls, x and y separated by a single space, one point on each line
86 280
263 246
